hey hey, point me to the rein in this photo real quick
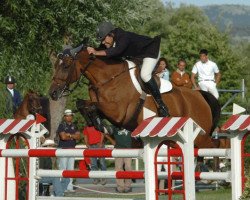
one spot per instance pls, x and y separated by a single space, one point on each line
95 87
67 91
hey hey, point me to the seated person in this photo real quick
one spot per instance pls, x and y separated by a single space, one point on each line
162 69
46 163
180 77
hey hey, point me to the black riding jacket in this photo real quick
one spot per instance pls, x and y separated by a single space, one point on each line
128 44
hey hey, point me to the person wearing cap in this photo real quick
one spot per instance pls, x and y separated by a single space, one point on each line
46 163
68 135
208 74
116 42
13 97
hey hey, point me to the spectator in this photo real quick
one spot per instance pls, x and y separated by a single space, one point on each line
94 140
123 141
46 163
208 74
162 68
180 77
68 135
12 96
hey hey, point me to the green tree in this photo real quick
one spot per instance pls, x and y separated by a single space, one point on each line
185 31
32 30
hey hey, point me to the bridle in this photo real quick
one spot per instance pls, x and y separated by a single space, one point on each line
66 91
33 109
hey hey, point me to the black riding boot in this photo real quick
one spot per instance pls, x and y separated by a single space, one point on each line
153 88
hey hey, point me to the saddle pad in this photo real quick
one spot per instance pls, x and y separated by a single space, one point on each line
166 85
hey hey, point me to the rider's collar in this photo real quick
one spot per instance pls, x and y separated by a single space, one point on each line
11 91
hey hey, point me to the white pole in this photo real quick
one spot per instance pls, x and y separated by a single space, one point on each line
188 155
37 130
11 186
150 145
243 89
236 158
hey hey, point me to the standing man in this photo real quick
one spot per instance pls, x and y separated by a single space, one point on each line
68 135
180 77
13 97
123 141
120 43
94 139
208 74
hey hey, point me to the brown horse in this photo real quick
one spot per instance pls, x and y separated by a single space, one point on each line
30 105
111 89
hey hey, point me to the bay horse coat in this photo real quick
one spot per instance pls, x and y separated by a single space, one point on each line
111 89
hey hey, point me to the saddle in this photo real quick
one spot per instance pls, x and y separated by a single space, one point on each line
163 85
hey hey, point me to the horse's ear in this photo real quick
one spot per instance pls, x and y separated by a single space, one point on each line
60 55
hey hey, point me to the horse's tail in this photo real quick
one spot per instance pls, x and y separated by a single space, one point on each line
214 106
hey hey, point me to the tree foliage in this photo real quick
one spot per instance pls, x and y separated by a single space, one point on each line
30 30
186 31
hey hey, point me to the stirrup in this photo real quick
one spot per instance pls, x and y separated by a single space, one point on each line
163 111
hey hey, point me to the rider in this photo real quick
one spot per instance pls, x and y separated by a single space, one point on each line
120 43
13 97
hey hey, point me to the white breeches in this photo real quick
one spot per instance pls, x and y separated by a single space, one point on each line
209 86
147 68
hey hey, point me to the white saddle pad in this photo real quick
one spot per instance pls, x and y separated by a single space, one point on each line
165 84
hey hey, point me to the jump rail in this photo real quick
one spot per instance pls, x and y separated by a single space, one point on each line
107 153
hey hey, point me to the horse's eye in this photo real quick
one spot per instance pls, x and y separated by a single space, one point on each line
60 55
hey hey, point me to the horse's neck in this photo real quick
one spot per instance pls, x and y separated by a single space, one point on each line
116 94
22 110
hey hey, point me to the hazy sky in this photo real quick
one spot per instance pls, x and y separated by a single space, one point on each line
208 2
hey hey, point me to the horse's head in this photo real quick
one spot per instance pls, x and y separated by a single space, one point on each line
73 63
33 105
61 78
67 70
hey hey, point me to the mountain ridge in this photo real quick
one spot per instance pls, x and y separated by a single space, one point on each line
234 19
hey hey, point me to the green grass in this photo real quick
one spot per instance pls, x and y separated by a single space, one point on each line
221 194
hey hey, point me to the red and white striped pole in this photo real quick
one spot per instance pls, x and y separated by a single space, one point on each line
128 174
107 153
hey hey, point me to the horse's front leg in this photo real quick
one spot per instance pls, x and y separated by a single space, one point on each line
89 111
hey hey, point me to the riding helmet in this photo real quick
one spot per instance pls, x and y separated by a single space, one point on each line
104 29
9 80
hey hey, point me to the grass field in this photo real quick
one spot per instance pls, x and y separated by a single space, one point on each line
221 194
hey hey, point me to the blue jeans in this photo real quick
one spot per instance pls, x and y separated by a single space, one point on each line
94 165
57 187
66 163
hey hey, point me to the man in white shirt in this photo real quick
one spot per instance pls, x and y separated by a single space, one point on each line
208 74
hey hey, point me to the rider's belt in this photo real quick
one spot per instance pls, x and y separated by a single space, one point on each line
207 80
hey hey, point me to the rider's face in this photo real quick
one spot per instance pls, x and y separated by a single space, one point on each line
11 85
108 41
